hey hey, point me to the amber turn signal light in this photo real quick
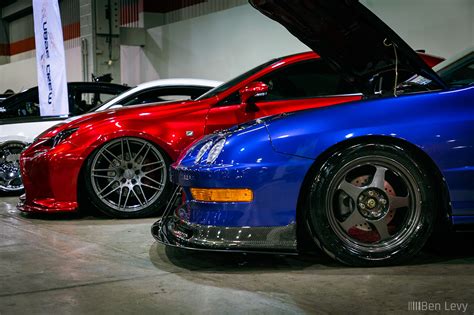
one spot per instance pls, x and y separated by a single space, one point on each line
222 194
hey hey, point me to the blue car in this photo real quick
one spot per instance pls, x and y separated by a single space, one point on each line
368 182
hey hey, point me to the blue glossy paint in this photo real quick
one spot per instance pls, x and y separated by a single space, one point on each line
463 220
247 161
273 156
439 123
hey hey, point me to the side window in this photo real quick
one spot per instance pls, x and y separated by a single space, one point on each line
165 94
83 101
306 79
233 99
28 106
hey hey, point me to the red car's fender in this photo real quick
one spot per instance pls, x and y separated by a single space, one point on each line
172 127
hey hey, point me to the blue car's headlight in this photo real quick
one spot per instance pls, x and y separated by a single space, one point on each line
212 149
215 151
202 151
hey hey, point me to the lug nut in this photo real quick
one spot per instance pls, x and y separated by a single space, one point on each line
371 193
361 205
383 201
371 203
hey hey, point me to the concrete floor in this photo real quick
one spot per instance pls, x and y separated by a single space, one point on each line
75 264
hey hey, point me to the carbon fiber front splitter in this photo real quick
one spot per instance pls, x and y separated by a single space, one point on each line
170 230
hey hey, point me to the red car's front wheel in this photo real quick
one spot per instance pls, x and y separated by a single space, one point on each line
128 178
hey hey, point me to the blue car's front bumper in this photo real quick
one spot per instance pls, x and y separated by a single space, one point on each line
268 223
174 230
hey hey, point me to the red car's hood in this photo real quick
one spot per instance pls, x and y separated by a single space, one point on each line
354 41
157 111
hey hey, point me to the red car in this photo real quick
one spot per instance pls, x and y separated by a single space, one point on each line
119 159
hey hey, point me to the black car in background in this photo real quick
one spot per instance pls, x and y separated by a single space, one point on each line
83 96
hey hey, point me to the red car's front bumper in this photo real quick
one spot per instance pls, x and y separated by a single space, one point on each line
50 178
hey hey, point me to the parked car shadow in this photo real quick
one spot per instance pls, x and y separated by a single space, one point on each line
65 216
169 257
459 250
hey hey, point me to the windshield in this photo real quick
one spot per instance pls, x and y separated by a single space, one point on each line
459 70
114 100
234 81
456 72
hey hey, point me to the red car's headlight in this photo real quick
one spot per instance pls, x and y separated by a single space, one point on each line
60 137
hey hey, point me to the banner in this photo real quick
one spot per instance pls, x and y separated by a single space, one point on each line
50 60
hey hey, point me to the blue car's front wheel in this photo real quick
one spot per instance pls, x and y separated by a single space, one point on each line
372 204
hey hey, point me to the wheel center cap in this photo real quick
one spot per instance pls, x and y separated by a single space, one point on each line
373 203
129 174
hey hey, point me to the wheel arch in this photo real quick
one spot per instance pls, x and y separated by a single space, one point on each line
163 145
7 142
423 157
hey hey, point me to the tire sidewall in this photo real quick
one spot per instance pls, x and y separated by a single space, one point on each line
318 222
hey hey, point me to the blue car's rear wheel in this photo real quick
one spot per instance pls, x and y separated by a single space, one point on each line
371 204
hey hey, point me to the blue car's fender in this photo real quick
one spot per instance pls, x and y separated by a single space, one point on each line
440 124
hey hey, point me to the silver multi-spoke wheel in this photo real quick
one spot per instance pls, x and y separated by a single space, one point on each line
373 203
128 174
10 178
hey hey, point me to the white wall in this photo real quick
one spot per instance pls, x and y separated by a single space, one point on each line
224 44
216 46
135 66
20 75
442 27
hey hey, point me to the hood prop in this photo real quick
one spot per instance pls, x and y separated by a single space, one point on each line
395 83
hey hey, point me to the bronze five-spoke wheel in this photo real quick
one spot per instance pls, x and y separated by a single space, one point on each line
128 177
371 204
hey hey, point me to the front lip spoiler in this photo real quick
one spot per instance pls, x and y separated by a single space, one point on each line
163 235
165 232
52 207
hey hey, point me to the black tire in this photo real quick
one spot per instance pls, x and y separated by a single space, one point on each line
129 178
374 227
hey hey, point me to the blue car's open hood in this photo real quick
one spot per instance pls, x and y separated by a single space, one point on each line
351 38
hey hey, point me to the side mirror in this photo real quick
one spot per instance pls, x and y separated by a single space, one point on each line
115 106
254 89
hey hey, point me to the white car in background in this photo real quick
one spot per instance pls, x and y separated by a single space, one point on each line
16 133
